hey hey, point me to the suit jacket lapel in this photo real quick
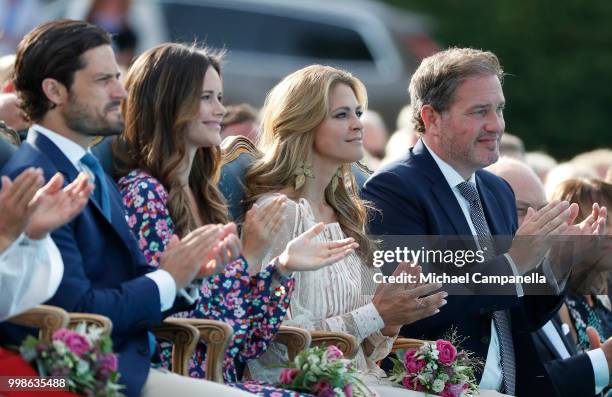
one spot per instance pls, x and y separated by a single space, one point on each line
546 341
441 190
59 159
61 162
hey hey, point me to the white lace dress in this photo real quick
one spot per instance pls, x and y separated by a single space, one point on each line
334 298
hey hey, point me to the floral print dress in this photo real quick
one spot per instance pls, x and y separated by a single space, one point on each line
246 302
584 315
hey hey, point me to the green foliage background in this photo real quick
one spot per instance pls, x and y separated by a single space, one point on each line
558 55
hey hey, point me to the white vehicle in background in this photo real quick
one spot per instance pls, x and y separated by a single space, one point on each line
268 39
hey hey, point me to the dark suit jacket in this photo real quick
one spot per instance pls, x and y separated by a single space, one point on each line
573 376
414 198
103 267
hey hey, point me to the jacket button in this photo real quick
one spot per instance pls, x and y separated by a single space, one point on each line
485 340
144 350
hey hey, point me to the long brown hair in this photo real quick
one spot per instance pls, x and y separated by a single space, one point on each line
292 112
164 86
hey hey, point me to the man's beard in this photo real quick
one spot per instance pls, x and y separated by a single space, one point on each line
81 119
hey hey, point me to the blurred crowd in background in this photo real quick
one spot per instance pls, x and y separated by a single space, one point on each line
557 143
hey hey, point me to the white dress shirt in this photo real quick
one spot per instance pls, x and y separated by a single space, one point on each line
601 373
74 152
30 272
492 373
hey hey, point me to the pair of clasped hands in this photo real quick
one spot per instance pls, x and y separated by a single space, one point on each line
207 250
546 232
551 232
28 205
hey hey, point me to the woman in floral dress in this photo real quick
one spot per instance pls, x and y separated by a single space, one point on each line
168 161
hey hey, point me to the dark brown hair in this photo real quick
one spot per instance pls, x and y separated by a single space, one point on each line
164 85
52 50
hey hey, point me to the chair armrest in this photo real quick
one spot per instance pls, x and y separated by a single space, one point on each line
92 319
184 338
345 342
216 335
296 339
407 343
47 319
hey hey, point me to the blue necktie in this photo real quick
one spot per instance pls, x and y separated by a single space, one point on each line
100 194
501 318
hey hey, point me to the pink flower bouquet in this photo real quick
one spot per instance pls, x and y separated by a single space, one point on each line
323 372
83 356
437 368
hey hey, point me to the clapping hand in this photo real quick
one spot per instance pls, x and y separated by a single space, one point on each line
261 225
584 239
15 199
184 258
593 225
304 253
595 343
227 250
534 238
404 303
27 205
55 206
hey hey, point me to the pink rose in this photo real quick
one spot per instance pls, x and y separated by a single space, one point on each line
448 353
412 384
323 389
452 390
333 353
348 390
108 362
412 364
287 375
75 342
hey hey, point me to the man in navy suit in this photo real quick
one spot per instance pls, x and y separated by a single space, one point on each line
439 189
67 76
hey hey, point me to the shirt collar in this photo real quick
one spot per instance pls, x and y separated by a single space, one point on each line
72 150
450 174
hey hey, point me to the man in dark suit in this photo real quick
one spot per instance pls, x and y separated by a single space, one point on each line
555 348
67 76
439 189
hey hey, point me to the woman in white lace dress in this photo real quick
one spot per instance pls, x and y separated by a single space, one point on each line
311 134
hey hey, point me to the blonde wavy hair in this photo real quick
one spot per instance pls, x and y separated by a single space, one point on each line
292 112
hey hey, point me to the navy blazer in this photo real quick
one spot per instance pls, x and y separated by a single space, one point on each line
104 270
413 198
573 376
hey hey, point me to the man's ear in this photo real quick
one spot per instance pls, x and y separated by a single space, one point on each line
431 118
55 91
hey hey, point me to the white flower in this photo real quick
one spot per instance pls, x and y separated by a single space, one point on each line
437 386
60 347
314 360
82 367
